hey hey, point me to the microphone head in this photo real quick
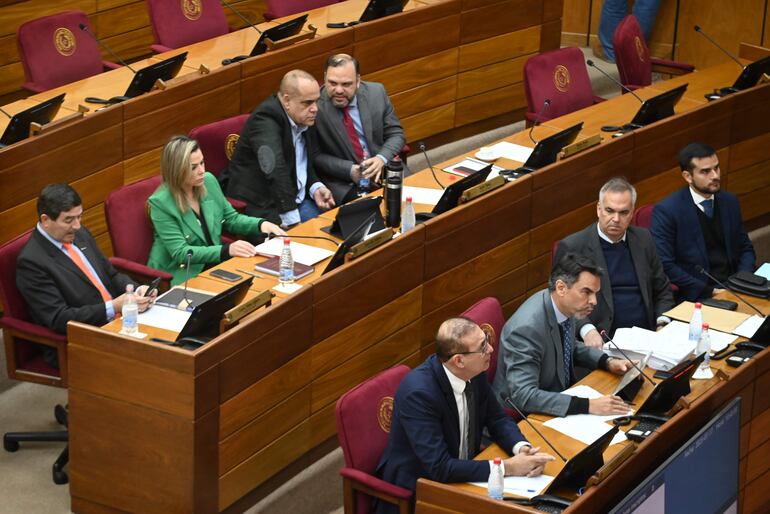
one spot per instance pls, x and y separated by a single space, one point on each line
697 28
421 146
189 253
547 102
83 27
699 269
589 62
603 333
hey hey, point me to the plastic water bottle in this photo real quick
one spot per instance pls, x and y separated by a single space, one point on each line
130 311
407 218
704 346
496 480
696 324
286 263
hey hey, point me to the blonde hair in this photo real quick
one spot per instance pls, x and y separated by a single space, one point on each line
175 169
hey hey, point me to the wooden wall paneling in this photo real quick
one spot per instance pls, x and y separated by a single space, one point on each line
272 339
179 109
417 72
475 272
499 18
756 496
422 98
552 10
327 388
105 244
550 38
525 41
365 332
476 227
749 152
661 39
492 76
543 236
491 103
762 402
119 20
153 443
538 272
575 21
17 220
8 50
253 10
378 278
428 123
141 166
94 220
653 189
754 204
133 44
758 461
323 424
27 167
413 18
760 429
16 14
750 115
749 179
11 77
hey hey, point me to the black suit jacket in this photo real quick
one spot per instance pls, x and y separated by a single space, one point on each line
266 142
653 283
55 289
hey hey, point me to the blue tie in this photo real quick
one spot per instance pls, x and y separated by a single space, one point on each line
567 327
708 207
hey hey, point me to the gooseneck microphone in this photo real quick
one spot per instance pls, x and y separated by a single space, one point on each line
604 335
546 103
616 81
294 236
241 16
507 400
425 154
713 42
701 269
101 43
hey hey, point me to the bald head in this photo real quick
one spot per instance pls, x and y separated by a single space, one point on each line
451 335
299 94
290 83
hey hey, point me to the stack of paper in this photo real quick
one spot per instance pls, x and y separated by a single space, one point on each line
304 254
526 487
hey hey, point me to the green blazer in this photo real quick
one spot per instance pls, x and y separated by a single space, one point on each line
175 232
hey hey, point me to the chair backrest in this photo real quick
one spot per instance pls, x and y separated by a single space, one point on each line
10 297
560 76
363 422
280 8
632 56
217 141
643 215
54 51
178 23
488 314
127 220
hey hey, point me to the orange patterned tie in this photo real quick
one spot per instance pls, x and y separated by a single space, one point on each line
75 256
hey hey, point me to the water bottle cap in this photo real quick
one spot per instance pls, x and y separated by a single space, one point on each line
497 461
286 240
409 199
705 326
698 305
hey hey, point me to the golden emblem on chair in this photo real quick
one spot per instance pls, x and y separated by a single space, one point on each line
489 331
64 41
561 79
192 9
385 413
230 142
639 48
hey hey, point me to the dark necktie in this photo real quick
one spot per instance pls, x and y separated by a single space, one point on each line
708 207
470 407
567 339
347 120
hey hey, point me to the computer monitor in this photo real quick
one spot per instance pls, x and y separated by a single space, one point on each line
658 107
145 78
752 73
579 468
358 235
42 113
451 195
352 214
376 9
547 149
701 476
668 391
282 31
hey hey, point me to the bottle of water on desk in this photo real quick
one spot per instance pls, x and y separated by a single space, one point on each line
130 311
408 217
364 183
286 264
696 324
704 346
496 480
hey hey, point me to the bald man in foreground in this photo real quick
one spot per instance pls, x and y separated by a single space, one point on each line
272 165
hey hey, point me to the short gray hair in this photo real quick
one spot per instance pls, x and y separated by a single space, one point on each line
618 185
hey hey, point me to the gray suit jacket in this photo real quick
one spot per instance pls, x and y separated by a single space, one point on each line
382 129
529 362
653 283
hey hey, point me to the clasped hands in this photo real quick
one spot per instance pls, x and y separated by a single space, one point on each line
529 462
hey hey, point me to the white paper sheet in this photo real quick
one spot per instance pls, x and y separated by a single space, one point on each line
584 391
764 270
749 327
159 316
474 165
423 195
302 253
583 427
526 487
512 151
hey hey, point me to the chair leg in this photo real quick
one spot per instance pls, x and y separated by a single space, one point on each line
61 415
59 475
11 440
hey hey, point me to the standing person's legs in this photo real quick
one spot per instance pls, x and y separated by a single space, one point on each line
613 12
646 12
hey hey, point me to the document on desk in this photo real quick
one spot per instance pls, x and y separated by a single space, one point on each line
512 151
764 270
526 487
159 316
718 319
584 391
586 428
749 327
423 195
469 165
302 253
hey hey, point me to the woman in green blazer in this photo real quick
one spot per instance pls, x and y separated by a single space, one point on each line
189 211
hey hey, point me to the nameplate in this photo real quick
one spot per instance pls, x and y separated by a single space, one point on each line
482 189
579 146
244 308
38 128
162 85
283 43
370 244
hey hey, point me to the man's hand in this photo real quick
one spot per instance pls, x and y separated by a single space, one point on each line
618 366
323 198
143 302
142 292
529 462
268 227
373 169
355 173
242 248
593 339
607 405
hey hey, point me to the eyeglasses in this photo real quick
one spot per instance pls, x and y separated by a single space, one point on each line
483 350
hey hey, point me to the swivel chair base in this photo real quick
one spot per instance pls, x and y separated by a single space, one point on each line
11 442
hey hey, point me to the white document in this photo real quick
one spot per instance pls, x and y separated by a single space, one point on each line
526 487
423 195
160 316
749 327
475 165
302 253
584 427
512 151
584 391
669 346
764 270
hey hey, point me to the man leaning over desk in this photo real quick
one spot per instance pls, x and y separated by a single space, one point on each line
439 412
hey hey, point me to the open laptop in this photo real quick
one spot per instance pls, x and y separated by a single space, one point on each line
42 113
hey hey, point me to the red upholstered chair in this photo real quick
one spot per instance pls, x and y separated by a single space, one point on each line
217 142
560 76
643 215
363 423
131 230
635 65
178 23
23 340
54 51
281 8
488 314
